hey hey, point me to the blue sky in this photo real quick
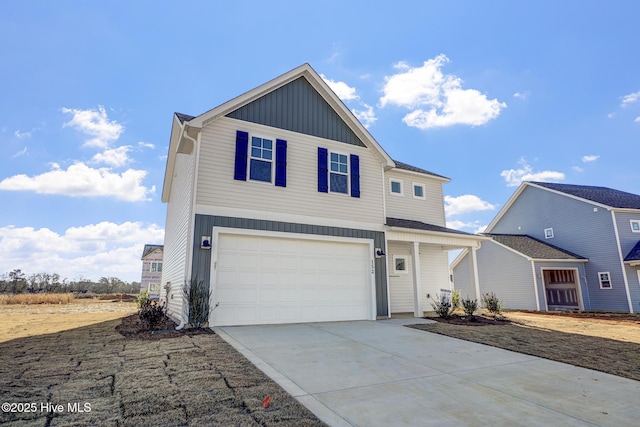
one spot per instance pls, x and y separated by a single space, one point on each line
486 93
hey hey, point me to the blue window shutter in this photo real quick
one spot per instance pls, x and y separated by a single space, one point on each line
281 163
323 170
242 149
355 176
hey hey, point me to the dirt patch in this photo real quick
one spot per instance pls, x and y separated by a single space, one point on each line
132 328
179 380
555 337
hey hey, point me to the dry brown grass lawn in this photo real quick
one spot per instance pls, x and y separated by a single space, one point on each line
177 381
605 343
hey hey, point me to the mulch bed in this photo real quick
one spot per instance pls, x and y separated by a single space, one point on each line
132 328
478 320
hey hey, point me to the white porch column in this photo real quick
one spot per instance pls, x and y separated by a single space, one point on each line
417 289
476 279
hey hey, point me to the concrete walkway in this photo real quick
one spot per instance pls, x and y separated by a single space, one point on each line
384 374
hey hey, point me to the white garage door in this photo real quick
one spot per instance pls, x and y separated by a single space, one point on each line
265 279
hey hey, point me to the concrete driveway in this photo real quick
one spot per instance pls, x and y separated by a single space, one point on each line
380 373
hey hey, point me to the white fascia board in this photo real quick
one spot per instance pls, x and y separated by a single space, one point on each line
506 207
559 260
319 85
626 210
177 129
421 174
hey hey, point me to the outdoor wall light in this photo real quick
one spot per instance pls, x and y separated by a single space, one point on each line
205 242
379 253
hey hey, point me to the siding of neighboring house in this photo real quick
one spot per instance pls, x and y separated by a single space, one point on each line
463 276
217 187
429 210
177 234
628 240
577 228
149 276
507 274
204 225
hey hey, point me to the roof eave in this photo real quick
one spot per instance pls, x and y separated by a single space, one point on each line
469 236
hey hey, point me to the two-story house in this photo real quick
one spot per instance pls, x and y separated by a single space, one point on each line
559 246
287 207
151 270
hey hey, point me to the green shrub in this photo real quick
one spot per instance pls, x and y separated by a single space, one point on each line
198 294
455 299
470 306
151 313
142 299
442 306
492 303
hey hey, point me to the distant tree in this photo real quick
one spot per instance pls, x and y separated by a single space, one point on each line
18 281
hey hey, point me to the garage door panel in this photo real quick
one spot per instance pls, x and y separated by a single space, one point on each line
262 279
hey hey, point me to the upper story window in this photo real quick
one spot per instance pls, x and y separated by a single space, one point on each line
395 187
156 267
548 233
635 225
261 163
418 191
339 173
261 157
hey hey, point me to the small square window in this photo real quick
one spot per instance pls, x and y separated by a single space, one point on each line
605 280
635 226
395 186
418 191
399 264
548 233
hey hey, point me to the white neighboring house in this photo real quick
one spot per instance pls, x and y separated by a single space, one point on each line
152 270
290 211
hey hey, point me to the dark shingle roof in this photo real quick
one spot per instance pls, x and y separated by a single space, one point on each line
407 167
418 225
184 117
634 255
533 248
603 195
150 248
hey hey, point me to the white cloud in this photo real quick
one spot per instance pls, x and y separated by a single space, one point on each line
343 90
590 158
514 177
577 168
104 249
630 99
20 153
521 95
80 180
116 157
436 99
465 204
472 227
22 135
366 116
637 120
96 124
146 145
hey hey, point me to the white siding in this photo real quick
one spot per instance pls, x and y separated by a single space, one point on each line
216 186
429 210
177 233
400 284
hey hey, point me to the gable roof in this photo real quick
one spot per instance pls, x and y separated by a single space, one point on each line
149 249
634 255
184 127
407 167
534 248
603 195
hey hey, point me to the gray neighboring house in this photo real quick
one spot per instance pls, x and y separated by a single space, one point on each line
559 246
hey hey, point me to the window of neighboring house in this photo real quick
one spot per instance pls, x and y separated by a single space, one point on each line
548 233
154 289
399 264
339 173
156 267
395 187
261 159
605 280
418 191
635 226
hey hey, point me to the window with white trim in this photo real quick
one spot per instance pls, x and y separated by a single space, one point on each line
156 267
339 173
395 187
548 233
400 264
604 277
418 191
261 159
635 225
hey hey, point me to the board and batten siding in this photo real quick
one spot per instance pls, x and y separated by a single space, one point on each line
429 210
628 240
204 224
177 234
579 227
216 186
